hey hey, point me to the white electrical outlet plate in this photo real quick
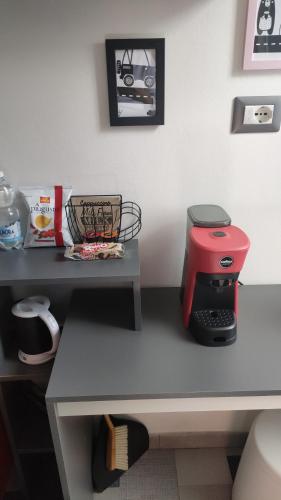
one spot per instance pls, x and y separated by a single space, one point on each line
256 114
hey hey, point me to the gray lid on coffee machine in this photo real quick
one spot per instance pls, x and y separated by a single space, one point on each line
208 216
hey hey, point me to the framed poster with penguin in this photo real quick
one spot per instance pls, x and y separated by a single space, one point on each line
263 35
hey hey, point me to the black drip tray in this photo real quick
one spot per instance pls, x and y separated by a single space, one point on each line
214 327
214 318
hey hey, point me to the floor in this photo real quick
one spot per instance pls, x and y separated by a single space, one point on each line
182 474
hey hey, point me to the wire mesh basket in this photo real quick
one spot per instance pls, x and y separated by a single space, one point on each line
102 219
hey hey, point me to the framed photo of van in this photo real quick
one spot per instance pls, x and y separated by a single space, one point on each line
263 35
135 75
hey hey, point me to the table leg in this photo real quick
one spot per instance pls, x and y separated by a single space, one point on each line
57 440
137 304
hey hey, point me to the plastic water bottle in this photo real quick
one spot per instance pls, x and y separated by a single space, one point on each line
10 228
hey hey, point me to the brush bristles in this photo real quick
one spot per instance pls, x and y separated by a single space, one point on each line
121 447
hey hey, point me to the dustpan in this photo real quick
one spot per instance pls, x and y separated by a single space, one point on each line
138 444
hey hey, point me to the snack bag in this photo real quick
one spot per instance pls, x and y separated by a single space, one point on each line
47 222
95 251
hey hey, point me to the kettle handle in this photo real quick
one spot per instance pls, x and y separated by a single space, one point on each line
52 326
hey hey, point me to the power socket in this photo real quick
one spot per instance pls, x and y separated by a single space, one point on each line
255 115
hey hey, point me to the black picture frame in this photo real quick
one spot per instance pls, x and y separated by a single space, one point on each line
151 93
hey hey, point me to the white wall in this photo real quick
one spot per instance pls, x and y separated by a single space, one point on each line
54 120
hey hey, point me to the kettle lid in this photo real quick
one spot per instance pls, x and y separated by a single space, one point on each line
31 307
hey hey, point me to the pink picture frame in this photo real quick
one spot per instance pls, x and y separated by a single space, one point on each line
263 35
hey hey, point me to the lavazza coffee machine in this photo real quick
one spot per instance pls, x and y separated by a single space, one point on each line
215 254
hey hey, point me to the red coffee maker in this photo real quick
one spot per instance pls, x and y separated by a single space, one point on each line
215 254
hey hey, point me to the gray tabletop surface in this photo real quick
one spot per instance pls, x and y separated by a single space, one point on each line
48 265
100 358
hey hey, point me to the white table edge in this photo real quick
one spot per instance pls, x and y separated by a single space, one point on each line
170 405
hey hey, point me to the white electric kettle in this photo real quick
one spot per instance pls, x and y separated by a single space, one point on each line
37 330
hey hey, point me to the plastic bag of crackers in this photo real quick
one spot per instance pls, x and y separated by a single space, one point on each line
95 251
47 222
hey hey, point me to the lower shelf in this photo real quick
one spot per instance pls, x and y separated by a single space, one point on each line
13 496
28 417
41 476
